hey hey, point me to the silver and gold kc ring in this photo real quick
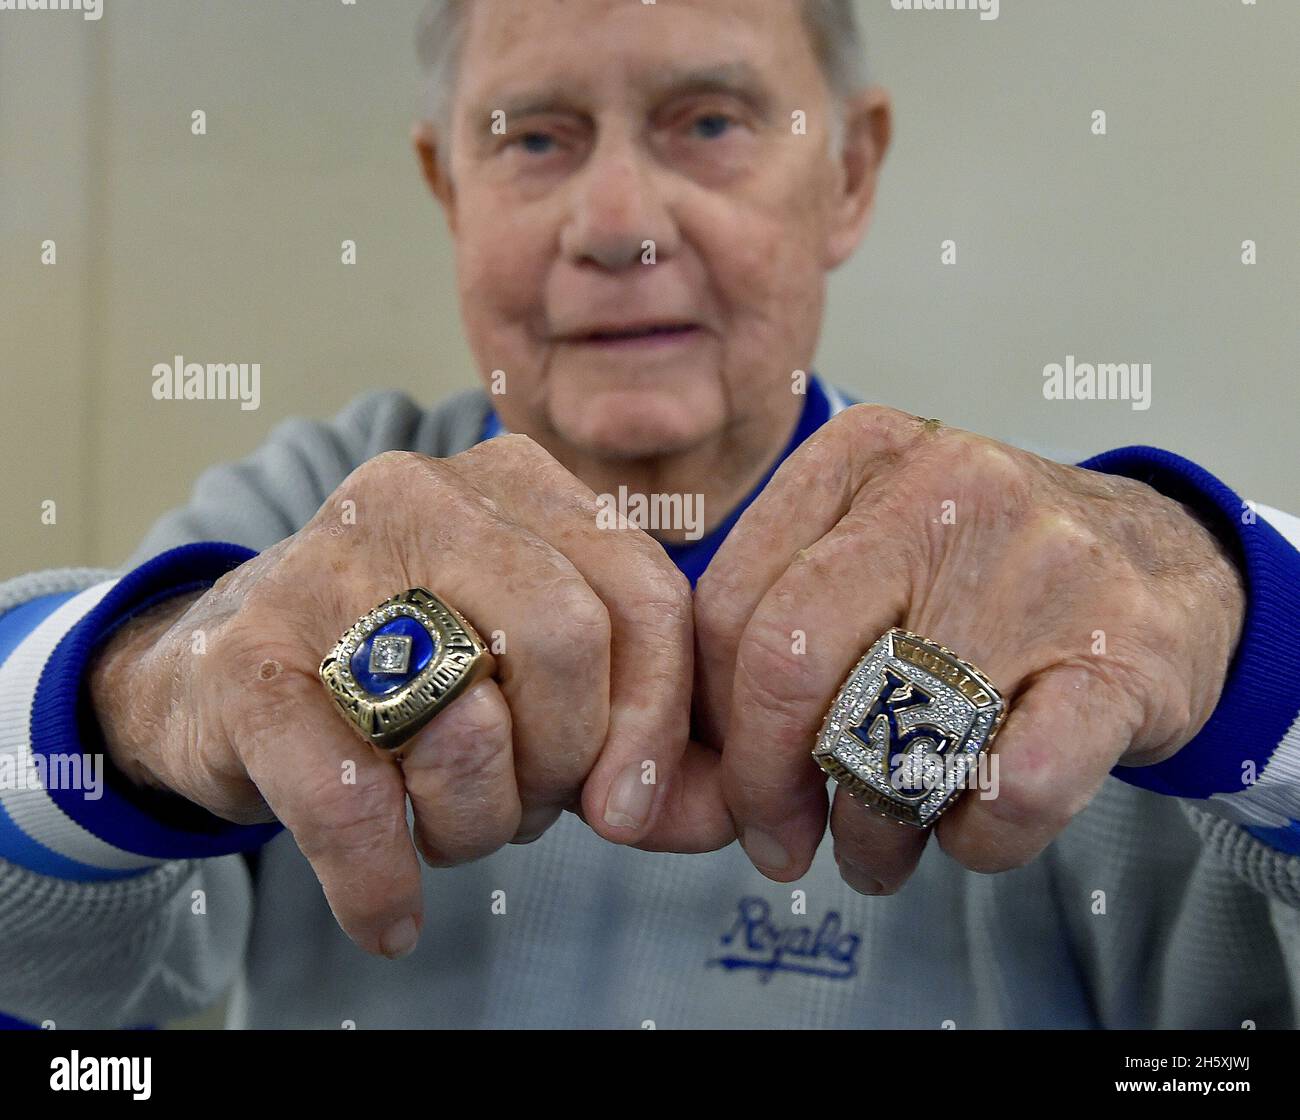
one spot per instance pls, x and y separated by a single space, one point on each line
908 726
400 664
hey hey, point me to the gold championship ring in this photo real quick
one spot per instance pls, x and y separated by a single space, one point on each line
400 664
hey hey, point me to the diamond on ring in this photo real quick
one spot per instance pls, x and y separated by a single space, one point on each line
390 653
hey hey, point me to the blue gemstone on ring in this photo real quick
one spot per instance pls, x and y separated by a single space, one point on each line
380 682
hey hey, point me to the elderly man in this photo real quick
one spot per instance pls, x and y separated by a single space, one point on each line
645 202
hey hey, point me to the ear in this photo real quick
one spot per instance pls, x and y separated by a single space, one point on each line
425 140
868 124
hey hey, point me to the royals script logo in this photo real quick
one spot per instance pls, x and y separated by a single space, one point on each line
756 943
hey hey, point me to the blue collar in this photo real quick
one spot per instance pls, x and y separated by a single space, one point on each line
692 557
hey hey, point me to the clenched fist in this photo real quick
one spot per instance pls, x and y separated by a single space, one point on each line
1104 612
878 520
589 710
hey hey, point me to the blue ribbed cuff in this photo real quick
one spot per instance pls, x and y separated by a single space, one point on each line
1260 698
63 721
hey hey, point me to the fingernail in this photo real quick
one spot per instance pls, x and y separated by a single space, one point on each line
629 799
765 850
534 823
399 939
859 878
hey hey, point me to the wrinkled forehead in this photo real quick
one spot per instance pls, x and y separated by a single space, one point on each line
590 49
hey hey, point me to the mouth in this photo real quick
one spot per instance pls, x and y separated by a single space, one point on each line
642 335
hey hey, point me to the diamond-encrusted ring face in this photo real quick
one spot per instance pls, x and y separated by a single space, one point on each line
400 664
906 730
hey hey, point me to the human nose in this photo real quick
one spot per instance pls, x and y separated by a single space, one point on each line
618 204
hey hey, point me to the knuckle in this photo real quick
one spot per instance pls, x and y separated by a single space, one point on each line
1124 681
462 838
774 798
388 467
412 473
481 714
252 707
472 742
977 852
519 445
510 451
447 850
533 821
1059 540
985 458
891 541
229 674
583 629
880 423
469 762
779 680
349 820
553 777
1004 472
1145 697
1029 805
861 433
464 833
821 455
1148 612
1182 712
719 613
993 476
663 593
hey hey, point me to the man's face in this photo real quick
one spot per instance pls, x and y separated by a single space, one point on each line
628 123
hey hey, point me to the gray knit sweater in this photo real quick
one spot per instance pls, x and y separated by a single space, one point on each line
1145 912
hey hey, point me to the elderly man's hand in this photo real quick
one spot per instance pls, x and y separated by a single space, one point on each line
1104 612
589 709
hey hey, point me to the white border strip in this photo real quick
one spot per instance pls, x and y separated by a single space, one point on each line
33 810
1273 801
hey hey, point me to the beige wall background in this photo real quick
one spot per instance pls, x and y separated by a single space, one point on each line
226 247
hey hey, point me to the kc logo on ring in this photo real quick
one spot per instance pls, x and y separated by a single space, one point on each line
908 726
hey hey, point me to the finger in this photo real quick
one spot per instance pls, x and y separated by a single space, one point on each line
805 635
553 665
650 658
460 775
345 807
875 854
548 629
1060 740
810 492
693 816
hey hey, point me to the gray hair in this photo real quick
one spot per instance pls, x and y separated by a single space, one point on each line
832 27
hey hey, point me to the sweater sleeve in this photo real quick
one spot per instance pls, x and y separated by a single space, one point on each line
115 915
65 811
1240 775
96 934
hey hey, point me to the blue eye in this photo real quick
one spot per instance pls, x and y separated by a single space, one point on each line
712 125
535 142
